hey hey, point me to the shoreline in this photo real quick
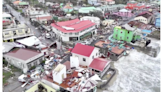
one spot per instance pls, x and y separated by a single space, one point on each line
106 88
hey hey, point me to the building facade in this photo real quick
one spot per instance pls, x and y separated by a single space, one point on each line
86 54
124 35
73 30
59 73
100 66
141 19
24 59
15 33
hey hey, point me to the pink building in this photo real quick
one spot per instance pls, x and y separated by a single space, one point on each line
124 13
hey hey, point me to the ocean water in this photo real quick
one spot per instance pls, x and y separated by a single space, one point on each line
137 72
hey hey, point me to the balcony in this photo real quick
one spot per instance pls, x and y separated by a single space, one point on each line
14 36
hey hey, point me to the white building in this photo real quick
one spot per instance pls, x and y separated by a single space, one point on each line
24 58
59 73
14 33
95 20
8 20
146 18
85 53
109 2
74 30
141 19
74 62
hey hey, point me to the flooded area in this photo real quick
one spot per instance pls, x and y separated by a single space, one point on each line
137 72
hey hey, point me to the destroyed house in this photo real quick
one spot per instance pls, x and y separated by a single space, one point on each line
109 49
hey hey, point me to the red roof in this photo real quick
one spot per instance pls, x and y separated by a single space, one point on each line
98 64
23 54
76 24
81 49
65 23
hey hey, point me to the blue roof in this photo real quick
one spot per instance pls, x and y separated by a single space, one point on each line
157 22
146 31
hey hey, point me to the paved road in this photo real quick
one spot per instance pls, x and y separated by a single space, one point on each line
24 20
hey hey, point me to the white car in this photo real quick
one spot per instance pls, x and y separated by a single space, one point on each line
48 35
84 43
88 41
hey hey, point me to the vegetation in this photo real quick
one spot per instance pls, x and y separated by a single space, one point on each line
60 20
20 11
5 62
14 69
33 2
43 62
33 67
6 76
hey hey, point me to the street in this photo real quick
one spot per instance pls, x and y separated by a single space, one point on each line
24 20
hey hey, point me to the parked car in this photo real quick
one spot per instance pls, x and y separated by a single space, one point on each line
101 37
48 36
83 42
88 41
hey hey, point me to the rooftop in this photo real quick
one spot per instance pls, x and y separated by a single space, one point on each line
140 25
46 16
100 43
73 25
67 83
31 41
117 50
99 64
6 15
7 46
132 2
23 54
145 14
86 9
84 50
104 44
59 68
67 64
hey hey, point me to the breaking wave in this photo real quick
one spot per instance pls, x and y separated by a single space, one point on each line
137 72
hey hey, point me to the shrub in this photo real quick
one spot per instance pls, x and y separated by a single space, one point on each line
43 62
33 67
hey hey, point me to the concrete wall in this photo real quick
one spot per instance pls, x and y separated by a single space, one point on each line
22 64
88 61
57 77
105 70
17 63
81 62
94 54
